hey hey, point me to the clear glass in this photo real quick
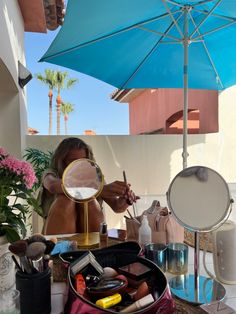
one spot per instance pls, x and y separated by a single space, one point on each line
10 302
156 252
177 258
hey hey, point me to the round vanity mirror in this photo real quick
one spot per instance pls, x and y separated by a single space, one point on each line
199 198
82 182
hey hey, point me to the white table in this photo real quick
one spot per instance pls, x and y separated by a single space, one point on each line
59 292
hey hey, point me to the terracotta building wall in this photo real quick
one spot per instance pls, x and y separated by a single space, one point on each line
150 110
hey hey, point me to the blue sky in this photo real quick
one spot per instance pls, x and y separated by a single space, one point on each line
91 98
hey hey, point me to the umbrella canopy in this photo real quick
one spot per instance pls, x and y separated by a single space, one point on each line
150 44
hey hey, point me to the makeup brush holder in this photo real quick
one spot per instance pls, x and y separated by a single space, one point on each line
35 292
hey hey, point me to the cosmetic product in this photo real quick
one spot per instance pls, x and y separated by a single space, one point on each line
108 302
136 273
140 304
145 232
125 180
107 287
141 292
87 263
80 285
103 235
19 248
37 237
109 272
134 218
35 253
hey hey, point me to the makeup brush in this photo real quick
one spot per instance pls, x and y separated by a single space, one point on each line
19 248
35 252
125 180
37 237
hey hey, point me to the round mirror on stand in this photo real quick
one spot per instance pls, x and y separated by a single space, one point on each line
199 199
82 182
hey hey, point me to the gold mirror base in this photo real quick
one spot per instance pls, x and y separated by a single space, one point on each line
87 240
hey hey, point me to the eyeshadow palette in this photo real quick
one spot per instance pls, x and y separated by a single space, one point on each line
136 271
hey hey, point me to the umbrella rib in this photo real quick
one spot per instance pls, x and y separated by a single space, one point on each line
150 52
205 18
158 33
223 17
203 2
107 36
207 52
172 17
215 29
176 3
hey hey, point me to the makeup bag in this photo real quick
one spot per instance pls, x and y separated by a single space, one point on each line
117 256
165 228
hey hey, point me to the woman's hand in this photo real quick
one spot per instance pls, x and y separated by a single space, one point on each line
118 195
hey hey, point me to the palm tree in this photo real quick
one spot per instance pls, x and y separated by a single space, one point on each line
48 79
62 80
66 108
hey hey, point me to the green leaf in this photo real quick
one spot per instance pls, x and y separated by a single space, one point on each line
11 234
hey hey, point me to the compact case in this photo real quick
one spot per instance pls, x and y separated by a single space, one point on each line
118 256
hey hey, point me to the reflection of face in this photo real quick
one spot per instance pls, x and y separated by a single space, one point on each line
74 154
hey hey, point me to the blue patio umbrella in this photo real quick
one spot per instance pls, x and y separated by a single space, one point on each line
150 44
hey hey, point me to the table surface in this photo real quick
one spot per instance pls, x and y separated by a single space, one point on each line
59 289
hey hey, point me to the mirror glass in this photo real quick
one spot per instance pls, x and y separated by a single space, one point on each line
82 180
199 198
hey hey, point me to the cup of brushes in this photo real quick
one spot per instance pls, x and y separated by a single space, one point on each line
33 276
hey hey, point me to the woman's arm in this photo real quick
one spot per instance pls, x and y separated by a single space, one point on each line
118 196
52 184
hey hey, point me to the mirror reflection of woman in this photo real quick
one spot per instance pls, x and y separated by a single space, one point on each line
62 215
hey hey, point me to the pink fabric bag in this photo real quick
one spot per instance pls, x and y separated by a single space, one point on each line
116 256
165 228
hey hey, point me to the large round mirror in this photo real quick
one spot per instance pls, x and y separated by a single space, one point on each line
82 180
199 198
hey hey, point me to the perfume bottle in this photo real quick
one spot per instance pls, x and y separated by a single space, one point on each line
103 235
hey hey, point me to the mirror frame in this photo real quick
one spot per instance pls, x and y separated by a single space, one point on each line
212 227
85 199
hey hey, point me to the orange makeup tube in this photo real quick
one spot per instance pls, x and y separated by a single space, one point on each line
80 285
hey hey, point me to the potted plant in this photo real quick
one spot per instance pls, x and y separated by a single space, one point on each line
16 197
40 161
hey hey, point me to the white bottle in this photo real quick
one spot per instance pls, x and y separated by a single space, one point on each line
145 232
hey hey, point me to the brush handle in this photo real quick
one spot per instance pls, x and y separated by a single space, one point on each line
25 264
38 264
16 263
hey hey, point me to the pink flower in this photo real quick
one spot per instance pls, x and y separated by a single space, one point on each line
19 171
3 152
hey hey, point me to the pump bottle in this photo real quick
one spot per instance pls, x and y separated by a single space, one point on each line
145 232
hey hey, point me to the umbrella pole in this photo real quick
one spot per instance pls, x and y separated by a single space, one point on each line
185 144
185 74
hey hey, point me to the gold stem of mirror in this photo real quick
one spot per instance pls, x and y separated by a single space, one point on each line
86 223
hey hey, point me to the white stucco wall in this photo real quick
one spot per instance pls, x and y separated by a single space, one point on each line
13 117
